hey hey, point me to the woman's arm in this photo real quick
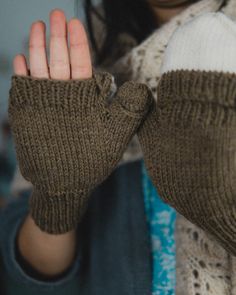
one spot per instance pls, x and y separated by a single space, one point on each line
46 253
68 138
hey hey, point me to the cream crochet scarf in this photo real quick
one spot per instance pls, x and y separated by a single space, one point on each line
203 267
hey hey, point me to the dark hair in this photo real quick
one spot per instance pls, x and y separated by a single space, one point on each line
134 17
130 16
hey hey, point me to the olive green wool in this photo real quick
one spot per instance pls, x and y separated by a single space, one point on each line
69 137
189 145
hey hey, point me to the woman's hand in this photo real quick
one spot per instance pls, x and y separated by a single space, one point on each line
68 137
52 254
66 62
188 140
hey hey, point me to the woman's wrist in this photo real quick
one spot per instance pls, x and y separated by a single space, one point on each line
49 255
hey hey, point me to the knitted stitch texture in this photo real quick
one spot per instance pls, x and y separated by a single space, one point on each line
191 158
193 245
69 137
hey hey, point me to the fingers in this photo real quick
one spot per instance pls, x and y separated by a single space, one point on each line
59 55
65 63
80 59
20 65
37 51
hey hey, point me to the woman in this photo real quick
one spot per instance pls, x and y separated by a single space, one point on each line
114 244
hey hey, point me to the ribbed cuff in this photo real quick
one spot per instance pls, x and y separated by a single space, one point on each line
214 87
57 214
48 92
12 218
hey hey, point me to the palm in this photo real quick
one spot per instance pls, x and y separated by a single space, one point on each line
68 60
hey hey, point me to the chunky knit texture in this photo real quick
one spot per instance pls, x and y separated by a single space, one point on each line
69 137
192 155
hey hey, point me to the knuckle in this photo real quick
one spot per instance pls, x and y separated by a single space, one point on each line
59 63
58 36
76 45
42 72
81 69
33 46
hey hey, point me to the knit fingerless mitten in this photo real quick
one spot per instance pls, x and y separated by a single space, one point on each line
189 139
69 137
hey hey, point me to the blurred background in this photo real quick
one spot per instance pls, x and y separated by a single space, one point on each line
15 21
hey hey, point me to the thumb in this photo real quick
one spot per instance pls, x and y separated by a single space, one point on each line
126 113
131 104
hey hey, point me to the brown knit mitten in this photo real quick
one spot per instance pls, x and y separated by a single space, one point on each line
69 137
189 139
